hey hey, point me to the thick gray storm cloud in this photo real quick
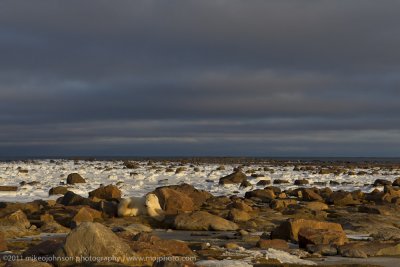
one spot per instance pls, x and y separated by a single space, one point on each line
257 78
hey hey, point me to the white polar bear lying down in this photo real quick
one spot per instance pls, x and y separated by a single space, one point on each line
146 205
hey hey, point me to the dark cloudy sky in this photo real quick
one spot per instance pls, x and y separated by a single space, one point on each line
259 78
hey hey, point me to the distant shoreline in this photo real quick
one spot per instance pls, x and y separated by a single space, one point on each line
214 159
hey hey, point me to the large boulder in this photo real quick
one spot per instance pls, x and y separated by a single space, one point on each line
71 216
183 197
308 194
108 192
58 190
266 195
313 236
341 198
233 178
203 221
85 214
390 193
289 230
173 201
94 240
370 249
16 224
75 178
72 199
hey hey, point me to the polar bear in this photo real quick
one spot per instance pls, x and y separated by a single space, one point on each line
146 205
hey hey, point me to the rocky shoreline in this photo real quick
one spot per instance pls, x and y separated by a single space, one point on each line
267 226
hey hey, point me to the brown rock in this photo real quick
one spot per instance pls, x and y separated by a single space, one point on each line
173 202
48 247
396 182
16 224
58 190
282 203
95 240
146 242
198 196
278 244
370 249
75 178
3 243
316 205
106 192
313 236
8 188
309 195
234 178
203 221
289 229
85 214
382 182
340 198
17 218
374 209
72 199
301 182
46 218
263 182
266 195
237 215
53 227
240 206
231 245
390 193
280 181
245 184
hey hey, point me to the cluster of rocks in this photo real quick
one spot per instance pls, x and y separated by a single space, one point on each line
306 221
